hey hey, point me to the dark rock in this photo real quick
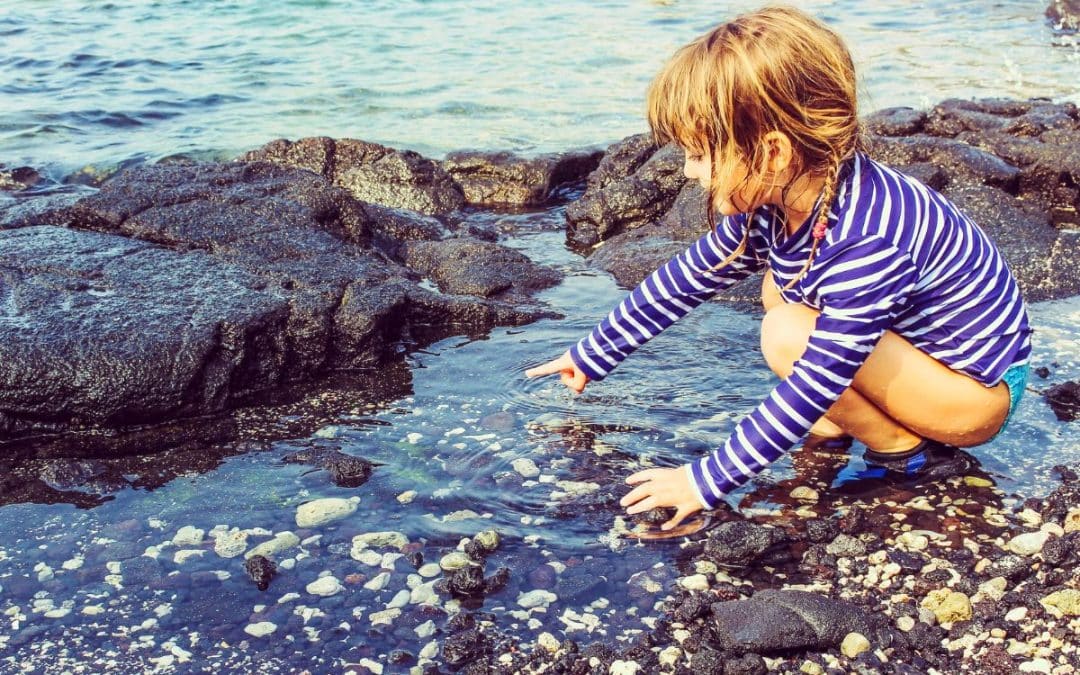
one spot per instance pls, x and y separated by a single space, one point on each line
503 178
1056 550
895 122
1064 400
465 646
746 664
344 470
261 570
821 530
740 542
1065 14
466 582
910 563
1012 567
19 178
471 267
772 621
416 559
496 582
255 277
695 606
371 172
707 662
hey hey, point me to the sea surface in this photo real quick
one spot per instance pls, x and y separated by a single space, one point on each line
125 585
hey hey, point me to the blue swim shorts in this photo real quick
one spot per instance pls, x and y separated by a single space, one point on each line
1015 379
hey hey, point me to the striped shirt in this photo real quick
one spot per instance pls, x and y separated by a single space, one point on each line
897 256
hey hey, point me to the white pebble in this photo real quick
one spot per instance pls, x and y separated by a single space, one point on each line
325 586
536 598
261 629
322 511
379 582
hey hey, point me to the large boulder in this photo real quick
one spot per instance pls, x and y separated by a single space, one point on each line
1013 166
506 179
371 172
184 290
774 621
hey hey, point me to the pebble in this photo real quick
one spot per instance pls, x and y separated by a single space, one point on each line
454 560
1016 614
905 623
548 642
526 467
805 494
912 541
425 630
488 540
619 667
288 597
948 606
993 589
73 564
1072 520
854 644
322 511
325 586
695 582
670 656
399 600
406 497
975 481
424 594
414 438
1065 602
1030 517
536 598
260 629
230 544
429 570
282 541
845 546
1037 666
374 667
181 557
811 668
188 536
378 540
385 617
379 582
1028 543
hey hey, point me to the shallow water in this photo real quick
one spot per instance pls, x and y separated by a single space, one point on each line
104 84
455 447
99 84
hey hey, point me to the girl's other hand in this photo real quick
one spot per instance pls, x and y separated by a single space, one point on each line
659 488
572 377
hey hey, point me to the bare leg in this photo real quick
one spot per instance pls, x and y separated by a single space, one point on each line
899 396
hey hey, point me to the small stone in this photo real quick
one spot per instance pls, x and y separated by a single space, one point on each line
1065 602
548 642
260 629
1030 517
854 644
181 557
670 656
425 630
620 667
1039 665
399 600
406 497
805 494
454 560
429 570
526 467
230 544
282 541
811 668
975 481
1072 520
845 546
912 541
948 606
188 536
1016 614
1028 543
325 586
385 617
379 582
261 570
488 540
378 540
905 623
322 511
994 588
536 598
695 582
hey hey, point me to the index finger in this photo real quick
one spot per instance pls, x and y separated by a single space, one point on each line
549 368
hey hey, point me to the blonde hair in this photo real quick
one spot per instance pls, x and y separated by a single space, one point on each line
777 69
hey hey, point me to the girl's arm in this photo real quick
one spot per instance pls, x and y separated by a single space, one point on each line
863 283
669 293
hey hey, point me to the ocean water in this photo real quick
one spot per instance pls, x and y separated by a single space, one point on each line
101 83
121 586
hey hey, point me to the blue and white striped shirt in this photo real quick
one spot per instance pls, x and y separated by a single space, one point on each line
897 256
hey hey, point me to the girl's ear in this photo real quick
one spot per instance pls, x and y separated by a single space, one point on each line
780 152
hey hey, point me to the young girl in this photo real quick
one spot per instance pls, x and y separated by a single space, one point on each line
890 316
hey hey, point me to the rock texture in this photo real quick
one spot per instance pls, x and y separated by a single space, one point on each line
1013 166
505 179
1065 14
184 290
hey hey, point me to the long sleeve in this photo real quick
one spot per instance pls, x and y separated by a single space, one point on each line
860 286
668 294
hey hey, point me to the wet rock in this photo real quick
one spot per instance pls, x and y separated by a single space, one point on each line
255 277
471 267
1065 14
371 172
1064 400
18 178
498 581
708 662
322 511
745 664
819 530
1012 567
466 582
740 542
895 122
846 546
505 179
344 470
465 646
261 570
772 621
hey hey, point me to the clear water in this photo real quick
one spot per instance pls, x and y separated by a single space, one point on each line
93 83
101 84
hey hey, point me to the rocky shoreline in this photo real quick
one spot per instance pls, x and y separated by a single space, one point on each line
306 261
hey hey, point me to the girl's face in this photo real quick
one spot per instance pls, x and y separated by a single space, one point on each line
699 168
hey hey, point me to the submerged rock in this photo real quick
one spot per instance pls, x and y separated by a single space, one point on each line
740 542
1064 400
344 470
504 179
261 570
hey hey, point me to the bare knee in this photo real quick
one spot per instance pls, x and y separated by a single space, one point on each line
785 330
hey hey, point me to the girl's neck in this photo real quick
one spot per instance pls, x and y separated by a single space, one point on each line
802 197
